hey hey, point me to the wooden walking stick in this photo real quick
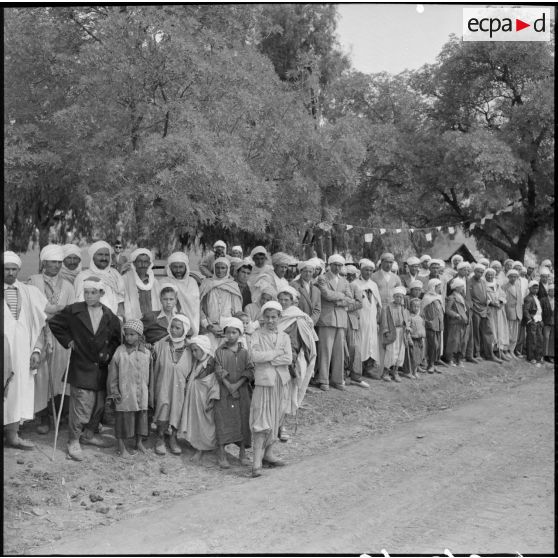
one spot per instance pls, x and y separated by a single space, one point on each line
57 425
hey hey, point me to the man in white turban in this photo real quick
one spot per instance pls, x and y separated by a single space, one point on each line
141 287
277 277
369 314
261 268
99 266
188 292
71 264
413 265
219 251
59 293
310 299
237 252
24 320
424 271
336 297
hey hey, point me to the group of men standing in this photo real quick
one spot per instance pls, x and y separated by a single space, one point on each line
343 301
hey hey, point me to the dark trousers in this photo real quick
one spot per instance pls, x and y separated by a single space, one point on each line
86 409
482 337
353 358
433 348
520 345
534 338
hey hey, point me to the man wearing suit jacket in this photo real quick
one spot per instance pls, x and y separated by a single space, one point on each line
93 333
310 299
336 295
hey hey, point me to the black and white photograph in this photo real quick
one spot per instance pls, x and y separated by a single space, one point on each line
279 279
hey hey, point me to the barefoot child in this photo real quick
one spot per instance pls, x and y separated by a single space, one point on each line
198 414
127 386
173 362
232 410
415 353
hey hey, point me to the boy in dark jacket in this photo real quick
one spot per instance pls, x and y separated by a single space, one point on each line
93 334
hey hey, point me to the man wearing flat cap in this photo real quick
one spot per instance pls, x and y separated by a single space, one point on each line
59 293
24 320
332 324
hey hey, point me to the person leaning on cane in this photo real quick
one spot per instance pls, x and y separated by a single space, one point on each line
93 333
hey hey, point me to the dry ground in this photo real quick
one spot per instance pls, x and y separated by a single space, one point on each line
47 501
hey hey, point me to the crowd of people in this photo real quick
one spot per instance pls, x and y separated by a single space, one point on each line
225 356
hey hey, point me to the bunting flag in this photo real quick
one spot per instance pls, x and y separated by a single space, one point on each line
427 231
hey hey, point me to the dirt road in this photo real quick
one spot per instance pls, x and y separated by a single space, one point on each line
479 479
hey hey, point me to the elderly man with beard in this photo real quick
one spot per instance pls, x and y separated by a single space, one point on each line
141 288
369 317
59 293
99 266
71 264
188 292
24 319
93 333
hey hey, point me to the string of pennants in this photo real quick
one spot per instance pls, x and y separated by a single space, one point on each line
428 231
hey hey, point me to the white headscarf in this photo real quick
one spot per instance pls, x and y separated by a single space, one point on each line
204 343
233 322
12 258
70 274
150 275
185 322
431 295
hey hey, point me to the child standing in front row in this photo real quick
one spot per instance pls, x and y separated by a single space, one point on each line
127 386
393 331
415 354
232 410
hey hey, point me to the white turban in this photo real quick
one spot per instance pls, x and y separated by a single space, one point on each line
462 265
233 322
400 290
141 251
496 263
351 270
387 256
456 258
544 271
93 283
71 250
485 262
457 282
531 283
186 324
336 259
12 258
289 290
52 253
512 272
424 258
224 261
237 249
219 243
365 262
413 260
308 263
258 250
479 266
435 261
96 246
272 305
178 257
517 263
416 284
280 258
546 263
203 342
